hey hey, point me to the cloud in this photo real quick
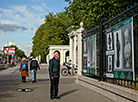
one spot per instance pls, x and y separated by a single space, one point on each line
24 15
11 27
27 49
41 8
28 16
5 21
21 21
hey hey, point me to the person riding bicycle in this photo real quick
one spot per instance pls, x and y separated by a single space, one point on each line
70 69
68 65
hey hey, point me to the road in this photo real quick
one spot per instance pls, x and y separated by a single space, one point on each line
10 81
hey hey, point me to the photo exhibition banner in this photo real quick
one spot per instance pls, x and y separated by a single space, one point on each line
120 51
89 55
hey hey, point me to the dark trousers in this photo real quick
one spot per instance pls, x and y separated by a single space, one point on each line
69 69
54 86
23 79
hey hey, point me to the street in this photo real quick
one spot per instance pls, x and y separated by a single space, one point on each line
10 81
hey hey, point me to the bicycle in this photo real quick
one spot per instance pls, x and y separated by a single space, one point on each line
72 71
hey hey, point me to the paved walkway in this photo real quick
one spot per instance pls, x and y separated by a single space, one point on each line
69 92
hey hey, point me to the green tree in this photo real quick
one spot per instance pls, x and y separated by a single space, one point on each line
88 11
52 32
19 52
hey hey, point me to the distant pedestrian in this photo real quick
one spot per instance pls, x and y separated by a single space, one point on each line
24 70
12 62
33 67
54 73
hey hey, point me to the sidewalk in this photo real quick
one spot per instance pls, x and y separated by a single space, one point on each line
68 91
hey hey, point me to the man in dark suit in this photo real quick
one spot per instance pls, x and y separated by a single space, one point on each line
54 73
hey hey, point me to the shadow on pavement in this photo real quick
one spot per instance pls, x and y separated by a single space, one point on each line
43 80
68 92
66 81
7 88
2 69
38 80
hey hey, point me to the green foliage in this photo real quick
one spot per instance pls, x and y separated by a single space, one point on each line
52 32
19 52
89 11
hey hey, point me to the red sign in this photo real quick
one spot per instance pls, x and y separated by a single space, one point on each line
9 50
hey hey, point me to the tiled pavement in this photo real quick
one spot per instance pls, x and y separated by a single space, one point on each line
69 92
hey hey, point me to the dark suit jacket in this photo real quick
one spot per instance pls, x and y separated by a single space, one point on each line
54 67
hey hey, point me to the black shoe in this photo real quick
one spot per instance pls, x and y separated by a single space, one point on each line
52 97
57 97
33 81
23 81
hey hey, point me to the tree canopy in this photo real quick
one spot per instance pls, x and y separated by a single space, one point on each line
89 11
52 32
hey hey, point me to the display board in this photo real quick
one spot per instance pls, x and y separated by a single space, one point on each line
120 51
9 50
89 55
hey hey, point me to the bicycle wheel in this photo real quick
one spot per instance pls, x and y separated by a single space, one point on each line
64 71
75 72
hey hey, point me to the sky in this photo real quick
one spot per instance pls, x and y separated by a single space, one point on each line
19 19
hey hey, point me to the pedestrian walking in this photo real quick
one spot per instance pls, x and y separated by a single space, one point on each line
24 70
12 62
54 73
34 66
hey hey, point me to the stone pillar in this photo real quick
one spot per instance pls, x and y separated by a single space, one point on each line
39 59
79 33
74 50
64 55
70 47
47 59
50 52
61 56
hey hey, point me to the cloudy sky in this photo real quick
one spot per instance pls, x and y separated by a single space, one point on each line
19 20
